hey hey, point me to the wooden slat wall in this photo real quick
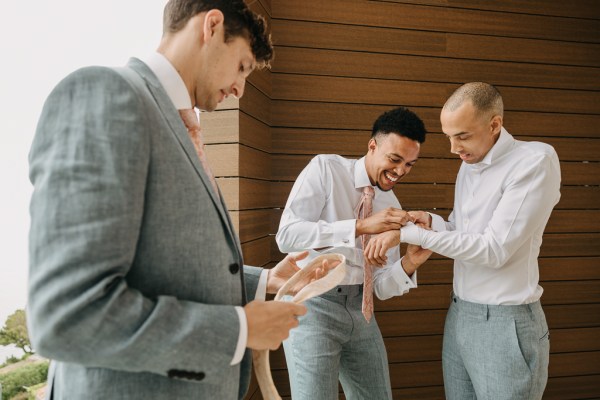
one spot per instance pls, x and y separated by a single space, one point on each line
341 63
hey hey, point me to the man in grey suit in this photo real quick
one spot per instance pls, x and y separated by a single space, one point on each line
136 286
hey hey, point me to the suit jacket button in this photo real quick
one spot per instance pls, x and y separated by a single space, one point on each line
234 268
200 376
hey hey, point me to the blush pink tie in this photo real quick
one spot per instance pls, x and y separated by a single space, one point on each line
190 120
364 210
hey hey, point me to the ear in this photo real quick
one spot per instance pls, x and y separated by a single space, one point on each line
213 24
496 124
372 145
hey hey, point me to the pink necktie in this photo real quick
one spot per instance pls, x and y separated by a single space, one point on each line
190 120
364 210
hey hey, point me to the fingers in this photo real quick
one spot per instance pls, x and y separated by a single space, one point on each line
297 309
269 323
374 254
299 256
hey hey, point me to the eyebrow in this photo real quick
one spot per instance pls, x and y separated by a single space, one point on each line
402 158
458 134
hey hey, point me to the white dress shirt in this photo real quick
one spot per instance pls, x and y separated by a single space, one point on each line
494 233
176 90
320 213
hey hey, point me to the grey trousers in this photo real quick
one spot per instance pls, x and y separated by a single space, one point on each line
334 342
495 352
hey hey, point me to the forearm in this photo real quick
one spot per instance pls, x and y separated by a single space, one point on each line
301 235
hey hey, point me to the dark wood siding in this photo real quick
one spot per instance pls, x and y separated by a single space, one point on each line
341 63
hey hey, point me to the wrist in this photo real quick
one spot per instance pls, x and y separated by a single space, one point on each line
408 266
269 286
358 228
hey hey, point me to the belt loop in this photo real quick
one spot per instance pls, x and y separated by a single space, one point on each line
487 312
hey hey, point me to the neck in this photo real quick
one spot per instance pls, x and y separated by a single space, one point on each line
174 49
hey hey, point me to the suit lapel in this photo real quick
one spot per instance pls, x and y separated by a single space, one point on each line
178 129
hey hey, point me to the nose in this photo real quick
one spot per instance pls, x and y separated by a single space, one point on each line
400 170
455 148
238 88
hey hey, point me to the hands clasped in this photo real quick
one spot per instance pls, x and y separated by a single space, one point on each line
378 246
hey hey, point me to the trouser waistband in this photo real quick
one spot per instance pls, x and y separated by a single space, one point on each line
492 310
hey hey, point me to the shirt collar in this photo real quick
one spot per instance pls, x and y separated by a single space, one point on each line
501 147
361 178
170 79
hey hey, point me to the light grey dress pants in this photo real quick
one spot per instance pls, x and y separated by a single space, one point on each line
495 352
334 342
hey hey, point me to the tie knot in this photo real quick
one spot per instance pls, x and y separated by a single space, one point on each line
190 119
369 191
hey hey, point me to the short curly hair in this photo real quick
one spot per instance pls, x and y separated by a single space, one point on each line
239 21
400 121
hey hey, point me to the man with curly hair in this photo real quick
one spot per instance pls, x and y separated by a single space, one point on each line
137 284
339 339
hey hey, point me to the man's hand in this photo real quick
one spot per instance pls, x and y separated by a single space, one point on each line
382 221
421 218
269 322
415 256
283 271
375 252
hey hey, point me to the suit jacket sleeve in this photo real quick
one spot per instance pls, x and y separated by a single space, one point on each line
89 165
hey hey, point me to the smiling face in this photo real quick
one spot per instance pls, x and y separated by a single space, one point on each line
471 133
389 158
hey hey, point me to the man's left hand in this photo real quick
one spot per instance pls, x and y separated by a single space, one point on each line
375 252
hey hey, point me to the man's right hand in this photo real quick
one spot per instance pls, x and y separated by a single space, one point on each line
383 221
269 322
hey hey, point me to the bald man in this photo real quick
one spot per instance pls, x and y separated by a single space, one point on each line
496 340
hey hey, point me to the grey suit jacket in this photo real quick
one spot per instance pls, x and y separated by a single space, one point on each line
134 263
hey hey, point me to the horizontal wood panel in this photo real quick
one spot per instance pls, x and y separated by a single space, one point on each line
558 388
430 196
571 388
574 221
427 69
369 91
226 159
430 297
429 373
573 245
431 322
256 252
254 133
572 364
575 8
429 348
261 80
256 104
353 144
244 194
229 160
220 126
288 167
438 19
440 44
251 224
235 126
303 114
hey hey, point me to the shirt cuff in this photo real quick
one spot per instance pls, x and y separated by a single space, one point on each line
437 223
402 278
344 233
242 338
410 233
261 289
